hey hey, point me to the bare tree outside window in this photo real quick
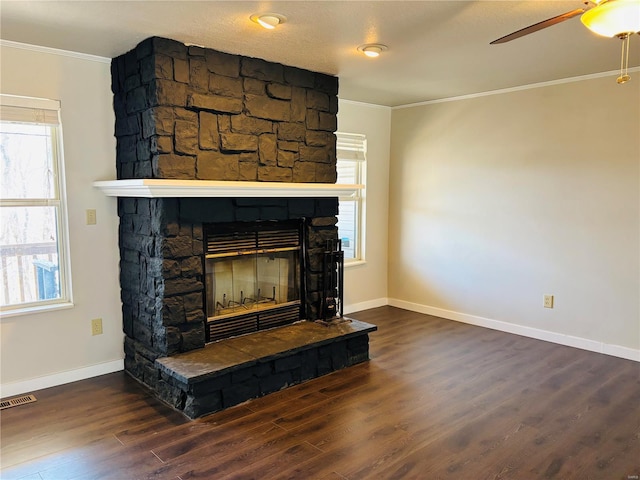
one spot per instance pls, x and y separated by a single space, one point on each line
31 207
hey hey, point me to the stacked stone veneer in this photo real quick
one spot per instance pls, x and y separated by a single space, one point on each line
193 113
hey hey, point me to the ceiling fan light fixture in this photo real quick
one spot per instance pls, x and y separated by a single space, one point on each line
372 50
613 18
268 20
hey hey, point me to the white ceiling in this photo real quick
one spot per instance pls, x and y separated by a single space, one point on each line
437 49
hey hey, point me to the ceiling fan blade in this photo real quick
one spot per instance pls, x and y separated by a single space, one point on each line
539 26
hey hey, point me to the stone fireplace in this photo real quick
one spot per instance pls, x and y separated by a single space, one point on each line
196 114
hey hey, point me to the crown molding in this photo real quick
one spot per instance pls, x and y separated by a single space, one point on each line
516 89
364 104
54 51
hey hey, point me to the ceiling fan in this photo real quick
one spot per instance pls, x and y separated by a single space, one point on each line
609 18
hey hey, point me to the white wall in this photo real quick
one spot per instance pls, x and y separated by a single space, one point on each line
43 349
497 200
366 283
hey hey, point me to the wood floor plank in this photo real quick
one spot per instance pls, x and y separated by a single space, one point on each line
129 463
439 399
272 466
262 444
64 458
240 416
219 442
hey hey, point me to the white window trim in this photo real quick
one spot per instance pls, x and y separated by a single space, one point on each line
353 146
348 263
44 111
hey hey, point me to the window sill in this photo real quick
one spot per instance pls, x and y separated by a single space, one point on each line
14 312
354 263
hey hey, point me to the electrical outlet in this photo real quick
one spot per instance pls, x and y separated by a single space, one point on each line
96 326
548 301
91 217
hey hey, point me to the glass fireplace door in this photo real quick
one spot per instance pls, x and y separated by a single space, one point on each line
232 285
277 279
252 281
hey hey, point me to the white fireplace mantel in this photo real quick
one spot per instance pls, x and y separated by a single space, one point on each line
167 188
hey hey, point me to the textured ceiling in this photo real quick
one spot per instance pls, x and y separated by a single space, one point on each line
437 49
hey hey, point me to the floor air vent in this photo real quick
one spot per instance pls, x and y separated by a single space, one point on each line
14 402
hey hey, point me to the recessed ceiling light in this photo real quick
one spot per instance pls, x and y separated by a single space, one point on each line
268 20
372 49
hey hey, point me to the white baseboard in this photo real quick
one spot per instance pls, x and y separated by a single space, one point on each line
622 352
38 383
356 307
553 337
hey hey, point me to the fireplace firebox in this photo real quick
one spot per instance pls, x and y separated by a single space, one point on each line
252 276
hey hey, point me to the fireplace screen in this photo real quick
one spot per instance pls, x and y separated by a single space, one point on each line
252 277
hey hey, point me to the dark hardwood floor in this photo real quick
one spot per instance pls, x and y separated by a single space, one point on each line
438 399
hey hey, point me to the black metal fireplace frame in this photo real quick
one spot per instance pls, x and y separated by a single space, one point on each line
239 229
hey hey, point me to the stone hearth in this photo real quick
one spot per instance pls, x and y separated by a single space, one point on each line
230 371
190 113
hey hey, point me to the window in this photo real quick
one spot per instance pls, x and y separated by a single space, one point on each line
33 249
351 152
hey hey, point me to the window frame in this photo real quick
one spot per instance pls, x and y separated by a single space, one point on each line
40 111
352 147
